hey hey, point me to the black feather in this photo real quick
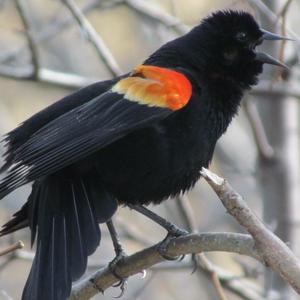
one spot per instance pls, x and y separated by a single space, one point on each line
22 133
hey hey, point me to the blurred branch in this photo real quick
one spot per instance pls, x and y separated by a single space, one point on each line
274 251
14 247
282 14
92 35
187 214
134 264
263 146
290 88
284 9
272 17
245 289
130 231
201 262
142 287
150 10
221 278
65 79
46 75
17 72
53 28
22 7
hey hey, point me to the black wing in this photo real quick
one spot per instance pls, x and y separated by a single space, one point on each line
22 133
76 135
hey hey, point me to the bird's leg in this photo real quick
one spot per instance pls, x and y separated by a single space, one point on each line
120 255
173 230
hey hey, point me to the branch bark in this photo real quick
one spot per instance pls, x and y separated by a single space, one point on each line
274 251
136 263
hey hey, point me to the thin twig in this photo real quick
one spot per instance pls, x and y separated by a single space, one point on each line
174 8
14 247
282 15
290 88
187 213
53 28
47 75
275 252
216 281
22 7
271 16
131 232
186 210
264 148
92 35
150 10
284 9
221 278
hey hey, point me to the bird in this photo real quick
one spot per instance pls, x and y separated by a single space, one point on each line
134 140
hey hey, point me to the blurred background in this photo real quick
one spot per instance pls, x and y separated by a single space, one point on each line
50 48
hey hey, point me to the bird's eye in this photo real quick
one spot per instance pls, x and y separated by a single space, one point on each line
230 54
242 37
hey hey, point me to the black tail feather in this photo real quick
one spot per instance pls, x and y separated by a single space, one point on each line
65 214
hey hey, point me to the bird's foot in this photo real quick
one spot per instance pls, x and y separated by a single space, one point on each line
113 266
173 232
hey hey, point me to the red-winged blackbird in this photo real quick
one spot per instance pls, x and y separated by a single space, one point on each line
133 140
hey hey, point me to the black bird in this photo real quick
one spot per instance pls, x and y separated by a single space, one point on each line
134 140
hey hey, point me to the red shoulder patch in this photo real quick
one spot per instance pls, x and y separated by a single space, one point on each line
156 86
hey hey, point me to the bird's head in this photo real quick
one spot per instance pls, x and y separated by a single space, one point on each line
228 41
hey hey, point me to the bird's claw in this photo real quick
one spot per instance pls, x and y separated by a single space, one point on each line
123 286
195 263
112 267
162 248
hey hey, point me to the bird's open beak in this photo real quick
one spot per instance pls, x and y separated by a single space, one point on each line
266 58
269 36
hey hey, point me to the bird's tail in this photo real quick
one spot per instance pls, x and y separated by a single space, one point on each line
65 214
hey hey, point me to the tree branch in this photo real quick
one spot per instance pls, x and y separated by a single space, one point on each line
274 251
136 263
14 247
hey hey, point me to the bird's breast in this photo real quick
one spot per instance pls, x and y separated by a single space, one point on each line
155 163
